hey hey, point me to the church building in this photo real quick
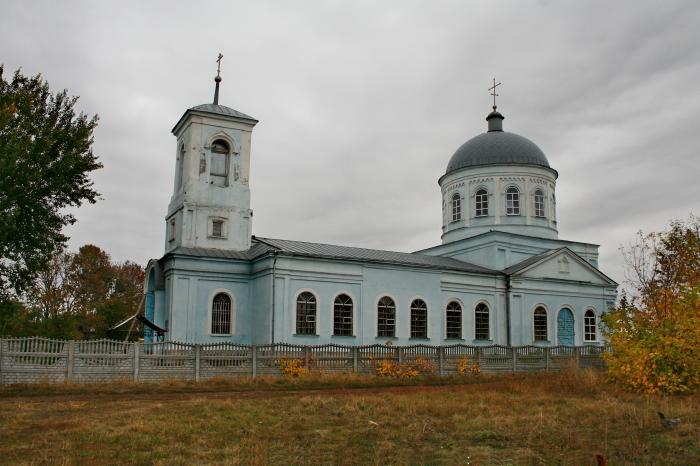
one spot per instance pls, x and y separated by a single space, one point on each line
500 276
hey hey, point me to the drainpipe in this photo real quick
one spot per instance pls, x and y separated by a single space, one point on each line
272 323
508 309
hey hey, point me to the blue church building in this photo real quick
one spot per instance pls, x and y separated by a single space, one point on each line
500 276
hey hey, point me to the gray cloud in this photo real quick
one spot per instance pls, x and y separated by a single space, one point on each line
362 104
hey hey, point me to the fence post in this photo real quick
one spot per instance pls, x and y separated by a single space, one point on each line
478 356
546 359
254 360
577 355
197 359
399 354
515 360
70 361
441 360
354 359
137 363
307 350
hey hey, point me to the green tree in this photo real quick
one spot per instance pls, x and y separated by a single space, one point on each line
45 162
655 335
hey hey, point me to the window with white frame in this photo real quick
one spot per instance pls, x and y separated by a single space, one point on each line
512 201
482 203
217 228
453 320
589 326
306 314
221 314
481 322
456 207
540 324
219 166
386 317
419 319
539 203
342 315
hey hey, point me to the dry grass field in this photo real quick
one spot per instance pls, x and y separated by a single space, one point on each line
561 418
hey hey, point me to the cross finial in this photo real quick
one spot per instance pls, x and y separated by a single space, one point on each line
493 92
218 65
217 79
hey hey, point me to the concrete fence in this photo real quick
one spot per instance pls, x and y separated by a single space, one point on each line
41 360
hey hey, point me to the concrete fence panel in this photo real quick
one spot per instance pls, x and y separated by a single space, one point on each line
42 360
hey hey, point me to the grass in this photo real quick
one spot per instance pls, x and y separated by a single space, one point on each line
563 418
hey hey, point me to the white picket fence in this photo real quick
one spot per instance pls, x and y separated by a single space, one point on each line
42 360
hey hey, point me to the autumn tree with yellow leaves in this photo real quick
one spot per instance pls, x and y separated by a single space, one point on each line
655 332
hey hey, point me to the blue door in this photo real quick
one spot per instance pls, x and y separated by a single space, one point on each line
565 327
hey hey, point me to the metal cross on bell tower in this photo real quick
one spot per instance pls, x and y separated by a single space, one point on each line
217 79
493 92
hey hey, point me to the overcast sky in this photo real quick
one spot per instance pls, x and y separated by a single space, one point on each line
362 104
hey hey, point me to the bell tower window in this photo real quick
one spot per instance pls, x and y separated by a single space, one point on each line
181 168
220 160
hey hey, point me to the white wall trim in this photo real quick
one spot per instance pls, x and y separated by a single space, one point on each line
210 303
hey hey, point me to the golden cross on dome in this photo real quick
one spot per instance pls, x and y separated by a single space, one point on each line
493 92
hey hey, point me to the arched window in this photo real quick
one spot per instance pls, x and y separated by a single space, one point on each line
454 320
386 317
218 169
512 201
540 324
456 207
481 322
419 319
181 168
306 314
221 314
589 326
482 203
342 315
539 203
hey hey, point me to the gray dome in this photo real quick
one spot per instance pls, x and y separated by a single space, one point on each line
497 147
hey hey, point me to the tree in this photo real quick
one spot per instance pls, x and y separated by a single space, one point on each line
77 296
45 162
655 334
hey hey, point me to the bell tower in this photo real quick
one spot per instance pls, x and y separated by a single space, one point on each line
210 205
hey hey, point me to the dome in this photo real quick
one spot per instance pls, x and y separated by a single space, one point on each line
497 147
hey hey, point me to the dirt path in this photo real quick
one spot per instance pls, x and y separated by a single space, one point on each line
241 394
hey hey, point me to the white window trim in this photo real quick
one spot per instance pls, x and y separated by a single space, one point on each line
295 296
210 227
444 319
597 319
482 301
210 305
427 317
376 315
520 200
532 324
354 315
488 202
